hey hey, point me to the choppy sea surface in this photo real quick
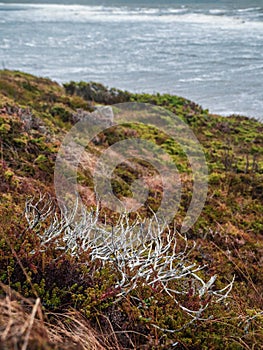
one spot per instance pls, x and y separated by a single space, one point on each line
208 51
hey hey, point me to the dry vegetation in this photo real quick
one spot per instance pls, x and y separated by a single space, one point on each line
57 299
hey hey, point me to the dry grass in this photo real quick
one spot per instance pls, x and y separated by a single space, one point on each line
24 326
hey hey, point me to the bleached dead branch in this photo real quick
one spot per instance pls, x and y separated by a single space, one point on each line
144 252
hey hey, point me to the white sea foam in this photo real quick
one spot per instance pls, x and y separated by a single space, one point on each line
177 11
30 44
250 9
79 13
217 12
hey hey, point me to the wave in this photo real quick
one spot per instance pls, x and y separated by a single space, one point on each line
87 13
218 12
250 9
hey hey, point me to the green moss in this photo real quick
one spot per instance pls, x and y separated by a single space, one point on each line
5 128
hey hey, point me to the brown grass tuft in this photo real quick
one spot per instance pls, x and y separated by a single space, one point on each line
24 326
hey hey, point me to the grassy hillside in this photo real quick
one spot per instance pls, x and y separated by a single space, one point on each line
69 295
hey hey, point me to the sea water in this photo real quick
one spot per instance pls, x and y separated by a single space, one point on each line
208 51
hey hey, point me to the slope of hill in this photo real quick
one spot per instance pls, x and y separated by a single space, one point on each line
35 115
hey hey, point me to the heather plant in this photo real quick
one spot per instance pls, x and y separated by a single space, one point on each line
102 278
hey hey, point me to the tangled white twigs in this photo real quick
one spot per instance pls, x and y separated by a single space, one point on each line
138 251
